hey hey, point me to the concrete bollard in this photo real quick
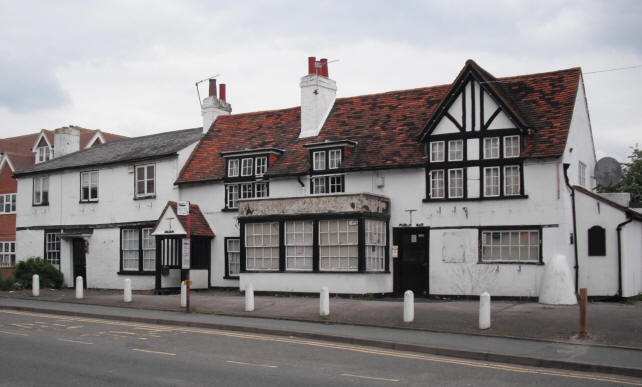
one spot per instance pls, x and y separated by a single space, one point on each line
249 298
35 285
127 292
324 301
79 288
183 294
408 306
484 311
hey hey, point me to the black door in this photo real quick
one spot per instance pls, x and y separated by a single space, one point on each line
411 264
80 263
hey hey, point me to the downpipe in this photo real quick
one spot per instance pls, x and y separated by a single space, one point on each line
619 255
577 264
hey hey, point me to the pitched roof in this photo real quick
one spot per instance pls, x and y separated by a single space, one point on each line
198 223
123 150
385 126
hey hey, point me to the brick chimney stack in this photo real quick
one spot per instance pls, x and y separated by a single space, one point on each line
318 93
213 105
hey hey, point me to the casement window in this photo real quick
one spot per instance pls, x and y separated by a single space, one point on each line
231 195
247 167
260 166
298 245
318 161
437 184
436 151
89 186
491 181
7 254
511 180
511 146
41 190
234 192
510 246
327 184
491 148
262 246
375 245
145 180
338 245
43 154
456 150
232 168
261 190
247 191
317 184
52 248
138 250
581 171
334 158
233 256
456 183
8 203
596 241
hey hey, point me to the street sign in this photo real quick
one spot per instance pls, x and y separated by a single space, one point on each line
188 283
182 208
395 251
186 253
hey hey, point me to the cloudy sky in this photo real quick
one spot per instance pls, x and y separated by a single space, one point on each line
129 67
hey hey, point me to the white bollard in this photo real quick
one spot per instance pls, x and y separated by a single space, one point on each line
249 297
324 301
183 294
408 306
35 285
484 311
127 292
79 288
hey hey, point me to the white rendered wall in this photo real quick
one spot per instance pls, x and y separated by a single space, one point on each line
345 283
632 259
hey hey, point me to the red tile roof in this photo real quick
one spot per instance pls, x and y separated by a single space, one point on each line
385 126
198 223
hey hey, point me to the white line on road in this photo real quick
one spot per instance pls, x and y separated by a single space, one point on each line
75 341
156 352
14 333
370 378
252 364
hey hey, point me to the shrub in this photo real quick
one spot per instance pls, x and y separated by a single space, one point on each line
7 284
50 277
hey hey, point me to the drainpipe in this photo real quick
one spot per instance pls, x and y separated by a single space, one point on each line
619 255
577 264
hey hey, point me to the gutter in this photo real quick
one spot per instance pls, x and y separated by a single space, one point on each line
577 264
619 254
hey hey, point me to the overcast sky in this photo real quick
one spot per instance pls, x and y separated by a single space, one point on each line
129 67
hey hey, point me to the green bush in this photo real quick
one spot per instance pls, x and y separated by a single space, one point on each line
7 284
50 277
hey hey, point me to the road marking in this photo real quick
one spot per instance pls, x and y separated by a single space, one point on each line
75 341
59 325
344 347
75 327
14 333
252 364
370 378
22 325
122 333
156 352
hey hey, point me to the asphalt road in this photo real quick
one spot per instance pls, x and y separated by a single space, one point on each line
50 350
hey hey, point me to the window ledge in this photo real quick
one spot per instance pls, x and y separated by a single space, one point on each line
226 209
40 205
136 273
428 200
312 272
88 202
227 277
510 263
144 197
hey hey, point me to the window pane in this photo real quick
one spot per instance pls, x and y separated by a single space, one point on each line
262 246
338 245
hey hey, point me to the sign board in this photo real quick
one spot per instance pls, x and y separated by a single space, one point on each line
182 208
188 283
186 253
395 251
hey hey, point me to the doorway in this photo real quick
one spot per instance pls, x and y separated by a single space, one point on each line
79 260
411 264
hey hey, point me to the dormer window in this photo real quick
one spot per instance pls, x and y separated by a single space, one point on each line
246 167
491 148
43 154
511 146
318 160
436 151
334 158
245 175
233 167
260 166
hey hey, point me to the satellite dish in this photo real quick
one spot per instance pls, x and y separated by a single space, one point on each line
607 172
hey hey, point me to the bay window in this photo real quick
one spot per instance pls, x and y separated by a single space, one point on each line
298 245
262 246
338 245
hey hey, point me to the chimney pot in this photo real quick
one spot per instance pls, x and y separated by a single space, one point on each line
212 92
222 91
324 68
312 65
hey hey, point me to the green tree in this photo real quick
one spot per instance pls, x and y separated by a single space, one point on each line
632 176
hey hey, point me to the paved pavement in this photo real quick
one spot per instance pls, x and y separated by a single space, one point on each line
440 327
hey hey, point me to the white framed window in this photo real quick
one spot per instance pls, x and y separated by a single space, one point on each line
581 171
510 245
130 248
437 184
89 186
41 190
511 146
318 160
232 167
455 150
262 246
335 183
233 251
52 248
334 158
138 249
149 250
491 181
7 254
260 166
231 195
456 183
491 147
43 154
246 191
338 245
511 180
298 245
375 245
8 203
261 190
318 184
246 166
436 151
145 180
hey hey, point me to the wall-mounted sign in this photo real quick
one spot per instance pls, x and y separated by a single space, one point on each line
182 208
395 251
186 253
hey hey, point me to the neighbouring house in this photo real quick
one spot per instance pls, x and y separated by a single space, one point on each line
23 151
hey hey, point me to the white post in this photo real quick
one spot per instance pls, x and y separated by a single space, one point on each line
324 301
408 306
35 285
484 311
183 294
249 297
79 288
127 293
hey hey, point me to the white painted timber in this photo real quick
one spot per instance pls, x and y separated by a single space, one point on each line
408 306
484 311
324 301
